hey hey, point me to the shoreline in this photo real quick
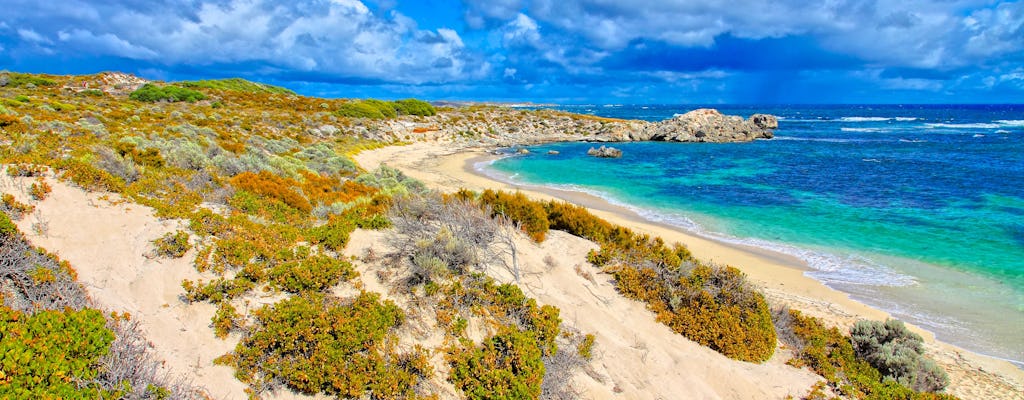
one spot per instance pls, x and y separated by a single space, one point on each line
634 216
447 167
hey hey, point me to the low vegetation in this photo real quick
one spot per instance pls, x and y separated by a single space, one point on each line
377 109
850 364
315 343
152 93
56 344
237 85
172 245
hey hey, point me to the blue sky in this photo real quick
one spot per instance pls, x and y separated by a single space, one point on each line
562 51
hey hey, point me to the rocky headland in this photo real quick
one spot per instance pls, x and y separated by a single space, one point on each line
489 126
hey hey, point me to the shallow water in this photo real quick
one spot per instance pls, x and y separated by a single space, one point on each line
917 210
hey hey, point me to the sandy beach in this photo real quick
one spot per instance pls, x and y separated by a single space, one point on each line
446 168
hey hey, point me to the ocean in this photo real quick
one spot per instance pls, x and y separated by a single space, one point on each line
917 210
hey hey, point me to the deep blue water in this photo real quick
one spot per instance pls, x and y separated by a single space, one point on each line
915 209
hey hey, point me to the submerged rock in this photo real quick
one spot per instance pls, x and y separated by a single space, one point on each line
553 152
605 152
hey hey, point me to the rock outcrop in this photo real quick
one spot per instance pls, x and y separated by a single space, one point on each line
505 127
709 125
605 152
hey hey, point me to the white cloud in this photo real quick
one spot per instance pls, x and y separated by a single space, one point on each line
32 36
105 44
318 38
908 33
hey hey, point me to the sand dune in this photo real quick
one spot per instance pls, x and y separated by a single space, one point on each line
108 242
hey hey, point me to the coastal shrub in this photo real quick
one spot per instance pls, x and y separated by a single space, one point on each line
52 354
391 181
25 170
236 85
328 189
7 228
149 157
39 189
173 245
151 93
414 107
831 354
317 344
709 305
11 206
89 177
505 366
370 108
897 353
15 79
317 272
117 165
270 185
225 319
518 207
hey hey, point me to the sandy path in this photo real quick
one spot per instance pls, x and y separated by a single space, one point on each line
107 243
447 168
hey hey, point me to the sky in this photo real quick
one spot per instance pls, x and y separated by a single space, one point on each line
549 51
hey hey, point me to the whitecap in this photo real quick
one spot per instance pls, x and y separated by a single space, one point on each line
906 119
964 126
874 160
1003 131
861 129
912 141
979 135
864 119
1011 122
828 140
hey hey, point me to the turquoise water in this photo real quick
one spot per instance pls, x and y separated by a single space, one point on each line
917 210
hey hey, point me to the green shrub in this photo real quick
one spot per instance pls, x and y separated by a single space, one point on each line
505 366
16 79
897 353
7 227
151 93
52 354
317 272
315 344
173 245
832 355
236 85
414 107
13 207
710 305
370 108
519 208
586 347
39 189
89 177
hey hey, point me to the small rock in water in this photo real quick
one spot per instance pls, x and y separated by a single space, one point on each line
553 152
605 152
523 151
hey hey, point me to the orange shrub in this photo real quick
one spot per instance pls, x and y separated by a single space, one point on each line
519 208
270 185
